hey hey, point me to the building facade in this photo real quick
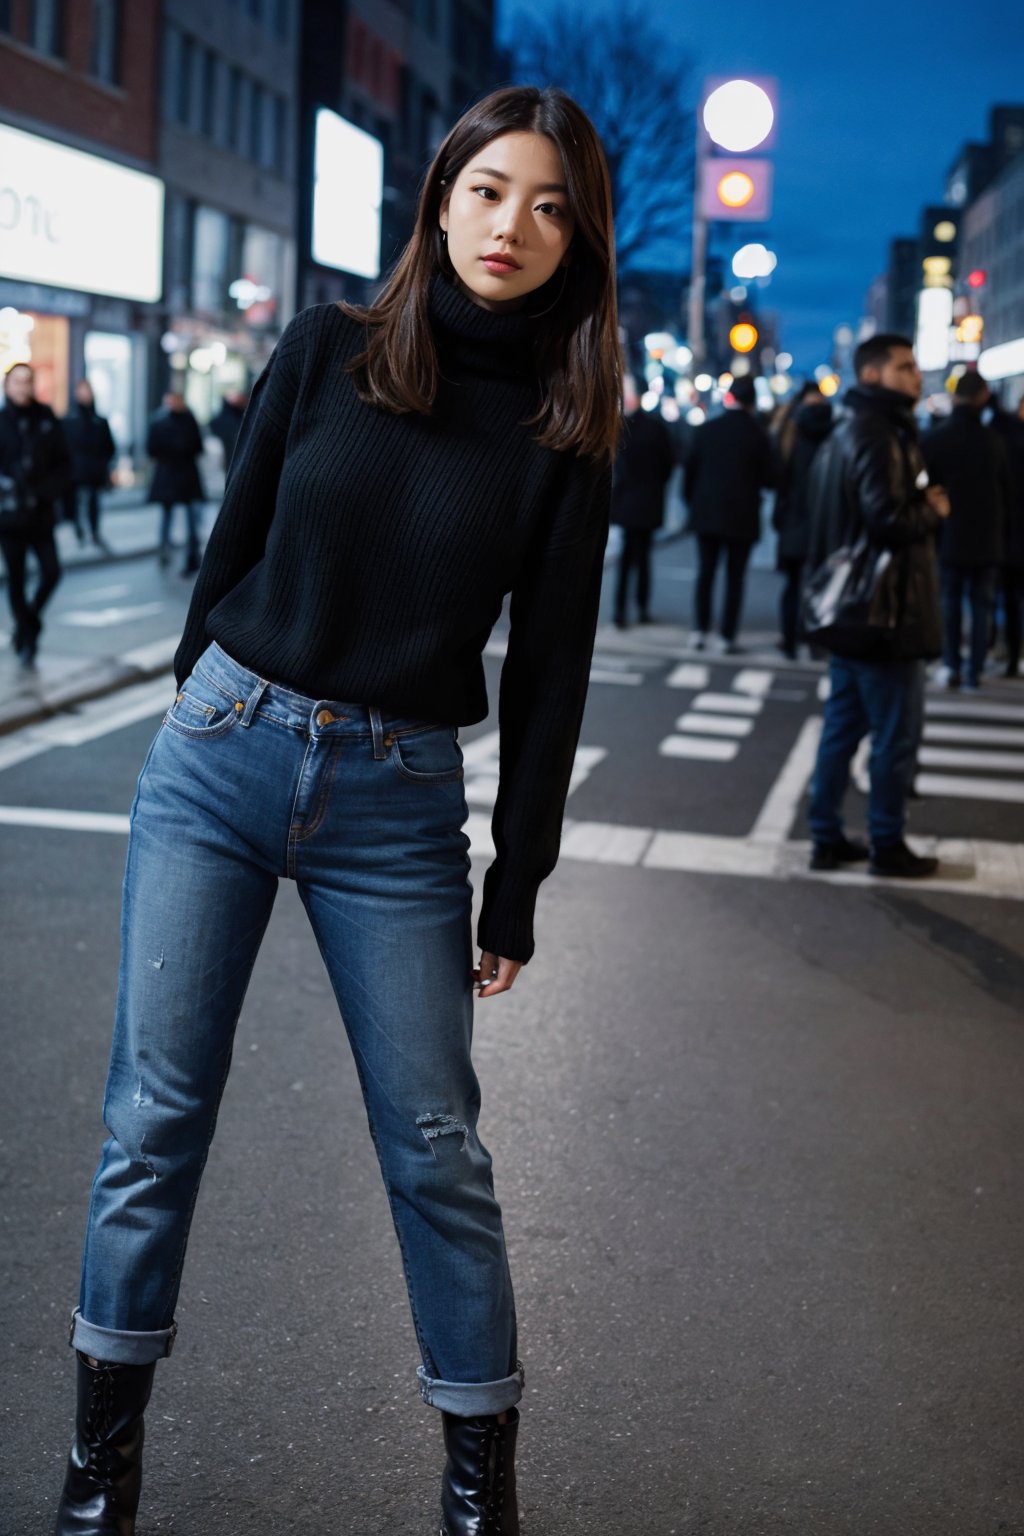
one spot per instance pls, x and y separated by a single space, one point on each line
228 153
994 253
81 209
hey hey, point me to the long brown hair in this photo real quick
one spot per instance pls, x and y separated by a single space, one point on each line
578 351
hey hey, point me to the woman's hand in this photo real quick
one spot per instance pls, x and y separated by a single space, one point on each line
495 974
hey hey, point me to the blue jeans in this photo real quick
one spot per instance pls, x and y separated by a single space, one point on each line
247 782
192 513
867 696
977 584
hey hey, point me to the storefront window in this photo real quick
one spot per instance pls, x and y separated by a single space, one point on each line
210 260
108 367
41 340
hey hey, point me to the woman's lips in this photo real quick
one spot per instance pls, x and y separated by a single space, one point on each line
499 266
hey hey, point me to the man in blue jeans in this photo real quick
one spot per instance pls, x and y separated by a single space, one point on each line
869 480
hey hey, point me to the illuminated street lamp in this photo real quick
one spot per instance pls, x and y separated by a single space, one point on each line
753 261
739 115
743 337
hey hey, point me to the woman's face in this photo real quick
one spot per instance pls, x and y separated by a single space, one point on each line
508 220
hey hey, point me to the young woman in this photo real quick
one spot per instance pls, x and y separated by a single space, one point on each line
399 471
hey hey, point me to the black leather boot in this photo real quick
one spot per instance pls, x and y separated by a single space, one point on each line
478 1490
104 1476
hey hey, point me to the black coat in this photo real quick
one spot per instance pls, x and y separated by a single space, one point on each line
969 460
731 460
91 446
645 462
174 442
1010 430
868 479
33 453
225 426
791 517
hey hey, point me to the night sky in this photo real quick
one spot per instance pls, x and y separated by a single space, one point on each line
876 97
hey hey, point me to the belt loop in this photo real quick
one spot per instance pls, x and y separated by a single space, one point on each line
253 702
377 727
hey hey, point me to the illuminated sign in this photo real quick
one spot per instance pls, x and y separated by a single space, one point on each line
934 318
1003 362
347 196
73 220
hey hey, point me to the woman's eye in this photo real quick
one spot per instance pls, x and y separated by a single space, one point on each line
551 208
486 192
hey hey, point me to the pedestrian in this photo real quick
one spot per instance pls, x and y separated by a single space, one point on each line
174 443
969 459
1009 426
34 476
803 426
227 423
869 481
731 461
644 465
92 448
400 470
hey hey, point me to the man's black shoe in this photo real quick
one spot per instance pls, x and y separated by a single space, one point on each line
899 861
848 850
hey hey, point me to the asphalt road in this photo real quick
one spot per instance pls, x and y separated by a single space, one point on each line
757 1137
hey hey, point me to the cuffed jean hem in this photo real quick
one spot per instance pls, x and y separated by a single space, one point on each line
470 1399
118 1347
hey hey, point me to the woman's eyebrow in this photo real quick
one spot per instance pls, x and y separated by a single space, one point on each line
549 186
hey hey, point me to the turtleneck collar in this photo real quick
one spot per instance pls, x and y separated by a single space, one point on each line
481 340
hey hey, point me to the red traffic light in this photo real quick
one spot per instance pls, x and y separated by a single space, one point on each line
976 279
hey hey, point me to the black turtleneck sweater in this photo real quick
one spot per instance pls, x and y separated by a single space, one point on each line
363 556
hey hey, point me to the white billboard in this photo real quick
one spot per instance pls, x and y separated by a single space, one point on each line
347 194
78 221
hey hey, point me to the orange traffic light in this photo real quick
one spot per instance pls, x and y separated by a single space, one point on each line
736 189
743 337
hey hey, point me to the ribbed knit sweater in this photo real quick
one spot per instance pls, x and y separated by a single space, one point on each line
363 556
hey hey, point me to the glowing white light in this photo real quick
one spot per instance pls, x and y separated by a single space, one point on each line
822 372
843 336
738 294
347 196
934 318
725 380
695 416
1004 361
659 342
649 401
779 383
784 362
682 359
753 261
669 409
739 115
703 382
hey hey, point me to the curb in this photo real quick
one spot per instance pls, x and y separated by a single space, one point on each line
142 666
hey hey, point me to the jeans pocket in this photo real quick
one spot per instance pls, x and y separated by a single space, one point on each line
201 710
431 756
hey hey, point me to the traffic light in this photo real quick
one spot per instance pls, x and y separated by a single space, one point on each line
736 188
743 337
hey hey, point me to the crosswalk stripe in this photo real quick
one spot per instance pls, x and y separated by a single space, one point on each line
715 725
982 735
702 748
960 757
728 704
969 710
949 786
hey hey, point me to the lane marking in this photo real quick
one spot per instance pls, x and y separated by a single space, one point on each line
753 681
778 813
968 868
688 675
728 704
699 747
63 821
105 594
90 721
108 618
960 757
715 725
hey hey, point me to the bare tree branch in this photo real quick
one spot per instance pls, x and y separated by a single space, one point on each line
634 86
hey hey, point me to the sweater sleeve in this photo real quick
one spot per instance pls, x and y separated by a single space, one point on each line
543 690
239 535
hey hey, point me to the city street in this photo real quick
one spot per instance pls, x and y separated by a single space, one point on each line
757 1133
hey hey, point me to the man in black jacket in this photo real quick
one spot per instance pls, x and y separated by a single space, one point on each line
730 462
35 472
969 459
869 480
642 470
